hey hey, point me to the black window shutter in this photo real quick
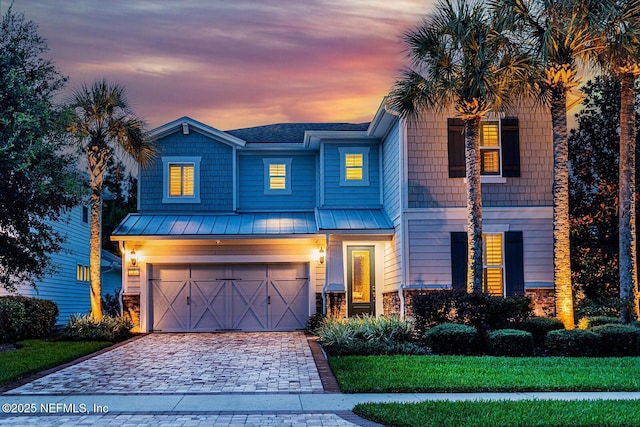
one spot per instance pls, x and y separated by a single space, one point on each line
455 135
510 139
459 261
514 263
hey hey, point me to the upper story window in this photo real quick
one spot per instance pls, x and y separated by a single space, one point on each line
277 176
181 179
499 149
354 166
493 263
490 148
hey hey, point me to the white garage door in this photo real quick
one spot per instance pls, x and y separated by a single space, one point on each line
218 297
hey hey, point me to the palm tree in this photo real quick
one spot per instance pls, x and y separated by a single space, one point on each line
557 33
105 125
619 54
460 59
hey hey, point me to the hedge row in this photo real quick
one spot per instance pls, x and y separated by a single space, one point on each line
609 340
25 317
482 311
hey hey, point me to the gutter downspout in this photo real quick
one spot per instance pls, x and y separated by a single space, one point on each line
326 277
401 297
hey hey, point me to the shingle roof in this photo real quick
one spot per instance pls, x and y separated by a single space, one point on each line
291 132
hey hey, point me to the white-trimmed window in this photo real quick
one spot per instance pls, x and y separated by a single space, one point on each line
354 166
277 176
181 179
493 263
490 148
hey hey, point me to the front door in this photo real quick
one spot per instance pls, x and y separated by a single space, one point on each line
360 280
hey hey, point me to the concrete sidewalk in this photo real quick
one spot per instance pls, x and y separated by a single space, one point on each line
266 402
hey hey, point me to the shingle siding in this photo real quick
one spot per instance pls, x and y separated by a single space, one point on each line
336 195
216 175
429 183
251 183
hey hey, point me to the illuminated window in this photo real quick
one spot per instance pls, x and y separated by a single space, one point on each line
354 165
490 148
181 179
493 263
277 176
82 273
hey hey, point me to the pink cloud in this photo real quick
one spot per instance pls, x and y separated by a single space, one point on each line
234 64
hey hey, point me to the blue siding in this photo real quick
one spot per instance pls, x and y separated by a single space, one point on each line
216 174
251 183
71 295
336 195
391 173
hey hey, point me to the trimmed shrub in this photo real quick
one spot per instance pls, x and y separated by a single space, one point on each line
111 304
86 328
453 338
34 318
367 335
574 342
12 320
510 342
482 311
600 320
314 322
41 316
618 340
539 327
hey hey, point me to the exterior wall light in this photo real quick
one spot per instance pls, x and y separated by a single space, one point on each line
134 260
321 256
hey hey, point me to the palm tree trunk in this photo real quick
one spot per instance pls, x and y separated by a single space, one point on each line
474 205
98 160
94 253
627 214
561 246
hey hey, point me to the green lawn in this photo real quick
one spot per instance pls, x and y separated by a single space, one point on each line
427 374
38 355
530 413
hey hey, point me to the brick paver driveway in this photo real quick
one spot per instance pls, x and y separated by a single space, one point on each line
191 363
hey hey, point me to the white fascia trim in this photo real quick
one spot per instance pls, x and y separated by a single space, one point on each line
382 122
209 131
506 213
312 138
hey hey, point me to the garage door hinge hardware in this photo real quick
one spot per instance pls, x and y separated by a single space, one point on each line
225 279
188 300
302 278
269 299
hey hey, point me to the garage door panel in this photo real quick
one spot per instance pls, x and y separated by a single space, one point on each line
208 305
249 305
170 310
289 304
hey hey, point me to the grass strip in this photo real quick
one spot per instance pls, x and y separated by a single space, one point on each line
38 355
450 374
524 413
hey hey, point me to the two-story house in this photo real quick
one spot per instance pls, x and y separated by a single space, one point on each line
256 229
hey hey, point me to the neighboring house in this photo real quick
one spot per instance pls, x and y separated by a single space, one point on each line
256 229
68 286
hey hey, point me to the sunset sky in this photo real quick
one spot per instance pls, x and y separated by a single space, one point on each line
233 64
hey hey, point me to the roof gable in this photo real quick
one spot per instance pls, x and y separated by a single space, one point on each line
186 124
